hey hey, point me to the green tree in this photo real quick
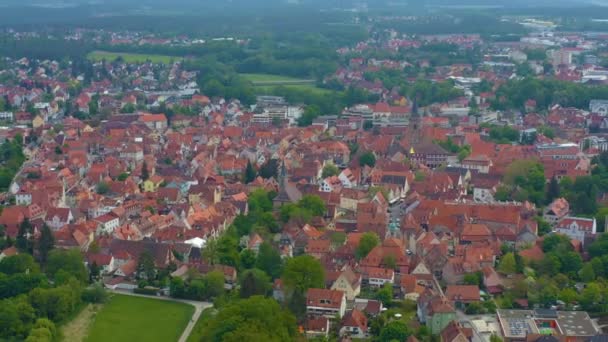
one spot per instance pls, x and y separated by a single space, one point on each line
527 177
214 284
313 203
495 338
39 335
252 319
549 265
128 108
571 263
23 242
303 272
552 190
330 170
254 282
20 263
310 114
67 261
95 294
269 169
599 247
46 243
102 188
144 171
259 201
269 260
555 242
367 158
473 279
385 294
367 242
250 174
395 331
507 264
568 295
122 177
591 296
247 258
16 318
177 288
600 218
544 227
145 266
43 323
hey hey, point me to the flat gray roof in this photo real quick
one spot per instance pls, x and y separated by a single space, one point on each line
519 323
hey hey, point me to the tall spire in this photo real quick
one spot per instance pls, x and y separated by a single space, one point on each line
414 123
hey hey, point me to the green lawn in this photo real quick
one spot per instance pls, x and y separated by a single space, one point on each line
270 90
128 318
270 78
131 57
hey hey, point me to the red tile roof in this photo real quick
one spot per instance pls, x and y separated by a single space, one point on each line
324 298
464 293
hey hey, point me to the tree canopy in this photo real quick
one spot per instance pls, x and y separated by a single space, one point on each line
252 319
303 272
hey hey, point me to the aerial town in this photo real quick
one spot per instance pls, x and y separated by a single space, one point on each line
397 185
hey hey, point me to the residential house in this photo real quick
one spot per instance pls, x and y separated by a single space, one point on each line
107 223
462 295
377 276
390 253
348 282
104 262
577 228
328 303
154 121
347 178
354 324
492 281
58 217
316 327
331 184
481 163
455 332
410 288
435 311
252 242
556 211
485 187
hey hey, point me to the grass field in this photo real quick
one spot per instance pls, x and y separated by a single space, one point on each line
261 78
128 318
131 57
269 90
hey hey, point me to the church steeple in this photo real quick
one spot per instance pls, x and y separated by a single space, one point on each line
282 196
414 133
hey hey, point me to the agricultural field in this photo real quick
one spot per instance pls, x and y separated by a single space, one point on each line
129 318
131 57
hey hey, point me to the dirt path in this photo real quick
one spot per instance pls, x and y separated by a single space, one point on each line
78 329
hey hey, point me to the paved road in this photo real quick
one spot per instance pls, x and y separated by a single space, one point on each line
198 309
397 211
